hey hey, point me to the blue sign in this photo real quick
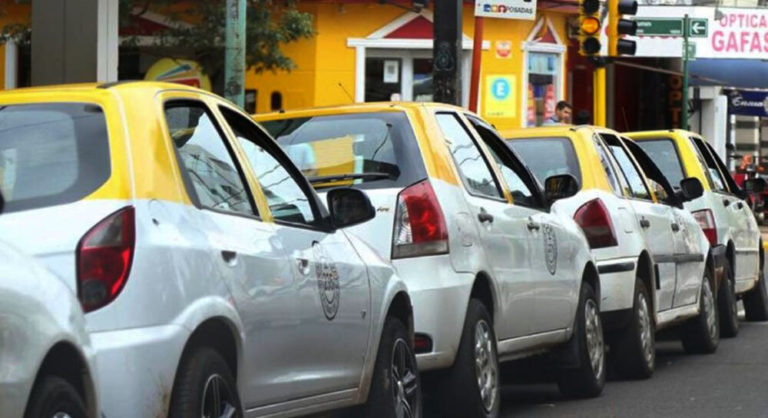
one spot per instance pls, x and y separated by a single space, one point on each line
500 89
747 102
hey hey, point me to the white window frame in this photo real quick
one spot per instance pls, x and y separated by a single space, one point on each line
530 45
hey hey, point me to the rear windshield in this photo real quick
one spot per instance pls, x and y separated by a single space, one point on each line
663 152
51 154
547 157
365 150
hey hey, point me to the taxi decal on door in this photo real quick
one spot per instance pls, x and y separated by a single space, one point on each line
327 281
550 247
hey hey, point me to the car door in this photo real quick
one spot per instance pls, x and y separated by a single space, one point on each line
689 253
552 246
324 350
247 250
655 221
505 230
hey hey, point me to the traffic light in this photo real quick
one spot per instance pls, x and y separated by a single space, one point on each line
618 27
589 27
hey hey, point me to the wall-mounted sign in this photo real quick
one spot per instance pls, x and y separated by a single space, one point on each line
500 98
747 102
179 71
504 49
506 9
391 71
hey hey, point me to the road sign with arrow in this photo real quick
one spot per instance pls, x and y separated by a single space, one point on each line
698 28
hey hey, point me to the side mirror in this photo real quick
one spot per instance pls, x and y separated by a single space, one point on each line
756 185
349 207
560 186
690 189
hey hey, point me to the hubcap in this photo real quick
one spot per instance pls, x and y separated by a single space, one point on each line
218 401
646 337
486 366
405 385
594 331
61 415
708 304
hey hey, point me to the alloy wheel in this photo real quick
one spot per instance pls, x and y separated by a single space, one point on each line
61 415
405 384
644 318
594 332
709 309
486 365
218 401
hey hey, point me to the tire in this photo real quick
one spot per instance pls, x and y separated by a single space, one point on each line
53 395
396 385
202 374
634 350
726 304
701 335
460 392
756 300
587 380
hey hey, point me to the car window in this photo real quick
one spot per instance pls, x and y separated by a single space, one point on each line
618 183
664 153
287 201
716 179
520 191
726 175
547 157
51 153
631 173
217 182
361 150
475 172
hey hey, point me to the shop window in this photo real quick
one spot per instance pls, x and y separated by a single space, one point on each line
383 79
250 100
544 80
276 101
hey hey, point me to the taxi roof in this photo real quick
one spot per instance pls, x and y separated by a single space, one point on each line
671 133
356 108
571 131
99 88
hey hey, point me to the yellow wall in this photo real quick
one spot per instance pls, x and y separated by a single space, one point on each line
326 61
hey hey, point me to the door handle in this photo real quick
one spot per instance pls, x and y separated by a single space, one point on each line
229 256
645 223
675 227
484 216
533 226
726 202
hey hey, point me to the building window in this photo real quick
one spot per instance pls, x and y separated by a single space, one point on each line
276 101
544 81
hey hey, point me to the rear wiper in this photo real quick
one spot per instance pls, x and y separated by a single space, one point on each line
349 176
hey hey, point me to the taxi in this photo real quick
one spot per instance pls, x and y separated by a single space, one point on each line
723 214
494 273
214 282
650 252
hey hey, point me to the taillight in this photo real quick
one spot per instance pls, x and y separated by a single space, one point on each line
104 257
706 221
420 227
595 221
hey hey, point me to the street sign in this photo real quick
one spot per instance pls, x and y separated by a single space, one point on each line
690 54
659 26
506 9
698 28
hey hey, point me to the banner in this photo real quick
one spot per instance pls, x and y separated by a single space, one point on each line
506 9
747 102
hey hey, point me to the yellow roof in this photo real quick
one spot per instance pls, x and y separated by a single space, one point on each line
355 108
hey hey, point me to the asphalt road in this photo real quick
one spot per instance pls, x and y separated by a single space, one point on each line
733 382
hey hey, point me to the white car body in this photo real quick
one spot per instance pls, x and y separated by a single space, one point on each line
296 312
42 332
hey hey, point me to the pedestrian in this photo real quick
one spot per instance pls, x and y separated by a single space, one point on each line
562 116
582 117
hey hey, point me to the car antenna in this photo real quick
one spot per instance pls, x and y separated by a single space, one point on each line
346 92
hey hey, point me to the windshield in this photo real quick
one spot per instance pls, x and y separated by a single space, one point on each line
547 157
664 153
51 154
368 150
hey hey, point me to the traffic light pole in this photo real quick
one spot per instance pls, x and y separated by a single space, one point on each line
599 96
684 121
474 87
234 52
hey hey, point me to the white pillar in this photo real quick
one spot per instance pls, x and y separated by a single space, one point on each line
11 65
108 40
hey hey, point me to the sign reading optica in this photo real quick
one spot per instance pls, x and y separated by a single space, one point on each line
506 9
736 33
500 97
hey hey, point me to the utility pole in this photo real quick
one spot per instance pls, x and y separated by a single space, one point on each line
446 55
234 52
684 120
599 92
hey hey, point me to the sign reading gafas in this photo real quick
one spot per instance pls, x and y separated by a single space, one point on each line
506 9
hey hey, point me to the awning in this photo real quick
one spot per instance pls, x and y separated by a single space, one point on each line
740 73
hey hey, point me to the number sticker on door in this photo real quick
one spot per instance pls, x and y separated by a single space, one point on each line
550 247
327 281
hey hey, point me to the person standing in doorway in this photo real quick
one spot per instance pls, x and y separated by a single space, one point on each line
563 112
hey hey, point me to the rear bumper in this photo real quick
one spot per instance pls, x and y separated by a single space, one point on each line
617 283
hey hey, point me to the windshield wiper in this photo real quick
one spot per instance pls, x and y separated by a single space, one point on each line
350 176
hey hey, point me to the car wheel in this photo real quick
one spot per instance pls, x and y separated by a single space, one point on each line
701 335
471 386
396 387
587 380
726 304
634 351
756 301
54 397
205 387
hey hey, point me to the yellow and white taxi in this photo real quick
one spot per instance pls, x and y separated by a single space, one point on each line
650 252
725 217
494 272
214 281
